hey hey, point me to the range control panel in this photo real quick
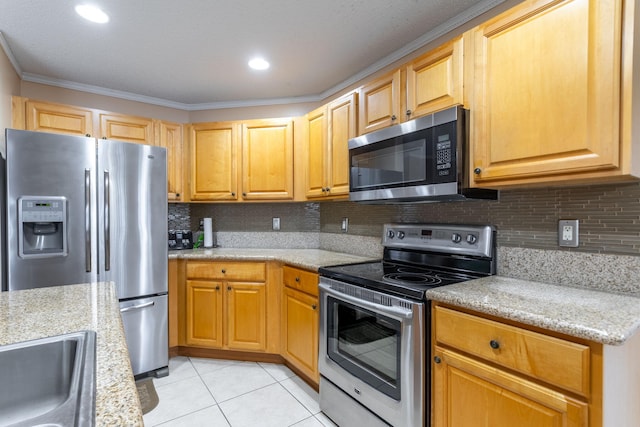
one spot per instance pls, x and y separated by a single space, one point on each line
474 240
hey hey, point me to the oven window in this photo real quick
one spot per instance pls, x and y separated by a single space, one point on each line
394 165
366 344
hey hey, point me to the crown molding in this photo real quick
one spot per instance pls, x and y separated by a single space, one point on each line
442 29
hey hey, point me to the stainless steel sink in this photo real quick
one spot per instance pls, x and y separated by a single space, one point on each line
49 382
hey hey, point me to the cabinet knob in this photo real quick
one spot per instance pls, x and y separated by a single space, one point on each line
297 279
223 271
217 287
393 117
477 171
314 306
87 135
494 344
408 113
244 194
228 288
177 194
437 359
233 194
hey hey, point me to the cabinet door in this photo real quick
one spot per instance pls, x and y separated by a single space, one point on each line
467 393
172 279
267 159
126 128
170 137
434 81
379 103
204 313
246 316
546 105
300 335
342 127
56 118
316 158
214 161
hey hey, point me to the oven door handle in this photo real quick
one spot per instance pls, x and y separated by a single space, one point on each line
400 312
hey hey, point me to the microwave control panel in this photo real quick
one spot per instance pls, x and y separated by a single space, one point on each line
444 152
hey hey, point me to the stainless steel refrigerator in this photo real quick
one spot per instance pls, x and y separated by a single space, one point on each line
84 209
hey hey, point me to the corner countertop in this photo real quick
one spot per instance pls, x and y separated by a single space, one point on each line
310 259
607 318
37 313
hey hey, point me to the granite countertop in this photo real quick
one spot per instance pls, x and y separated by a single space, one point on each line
310 259
44 312
607 318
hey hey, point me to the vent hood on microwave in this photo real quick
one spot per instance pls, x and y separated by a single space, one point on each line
420 161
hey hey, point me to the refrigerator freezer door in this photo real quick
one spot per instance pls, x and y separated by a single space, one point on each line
132 217
62 167
145 327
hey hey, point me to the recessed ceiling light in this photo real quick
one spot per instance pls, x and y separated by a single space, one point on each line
258 64
92 13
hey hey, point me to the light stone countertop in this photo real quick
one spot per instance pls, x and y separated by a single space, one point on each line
44 312
310 259
604 317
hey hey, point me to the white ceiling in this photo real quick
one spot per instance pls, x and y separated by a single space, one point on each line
192 54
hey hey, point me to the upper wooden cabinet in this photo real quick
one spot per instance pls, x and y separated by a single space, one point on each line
169 136
250 160
48 117
267 159
432 82
214 161
120 127
547 94
380 103
327 156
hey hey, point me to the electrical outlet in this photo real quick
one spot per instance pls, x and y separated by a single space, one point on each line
345 225
275 224
568 233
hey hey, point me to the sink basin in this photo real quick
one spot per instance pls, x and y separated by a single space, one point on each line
49 382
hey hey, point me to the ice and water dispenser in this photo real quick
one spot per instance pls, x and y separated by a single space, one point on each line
42 223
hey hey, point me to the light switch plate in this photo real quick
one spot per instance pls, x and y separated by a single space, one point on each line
568 233
275 224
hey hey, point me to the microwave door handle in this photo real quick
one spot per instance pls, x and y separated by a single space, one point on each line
107 222
400 312
87 219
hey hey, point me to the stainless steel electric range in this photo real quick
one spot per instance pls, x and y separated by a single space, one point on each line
375 321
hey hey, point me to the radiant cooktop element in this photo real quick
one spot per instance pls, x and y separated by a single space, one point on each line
422 256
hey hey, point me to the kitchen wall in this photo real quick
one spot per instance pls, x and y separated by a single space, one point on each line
527 218
9 86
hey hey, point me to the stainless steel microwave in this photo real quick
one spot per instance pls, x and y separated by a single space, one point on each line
422 160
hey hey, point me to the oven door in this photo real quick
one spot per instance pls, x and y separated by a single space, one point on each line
372 347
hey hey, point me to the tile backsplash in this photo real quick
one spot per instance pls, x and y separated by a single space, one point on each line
527 218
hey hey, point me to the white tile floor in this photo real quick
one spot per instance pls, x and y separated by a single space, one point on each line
213 393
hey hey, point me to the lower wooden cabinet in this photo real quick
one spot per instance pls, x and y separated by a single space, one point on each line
486 373
226 314
300 321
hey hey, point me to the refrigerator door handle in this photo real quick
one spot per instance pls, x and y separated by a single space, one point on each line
107 225
87 219
137 307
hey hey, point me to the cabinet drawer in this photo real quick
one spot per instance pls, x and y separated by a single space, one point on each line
302 280
556 361
227 270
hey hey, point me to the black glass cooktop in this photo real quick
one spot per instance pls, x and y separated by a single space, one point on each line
396 278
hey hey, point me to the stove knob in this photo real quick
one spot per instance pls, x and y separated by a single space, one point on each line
390 234
456 238
472 239
400 235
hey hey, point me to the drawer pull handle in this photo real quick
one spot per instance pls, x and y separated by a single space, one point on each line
437 359
494 344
